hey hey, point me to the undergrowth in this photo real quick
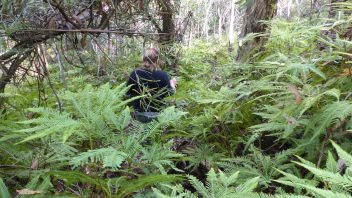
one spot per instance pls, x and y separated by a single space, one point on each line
268 128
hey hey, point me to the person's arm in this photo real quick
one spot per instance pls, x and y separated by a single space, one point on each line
173 83
166 83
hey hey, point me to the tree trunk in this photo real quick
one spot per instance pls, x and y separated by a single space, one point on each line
256 12
167 34
232 26
299 8
220 24
206 19
289 5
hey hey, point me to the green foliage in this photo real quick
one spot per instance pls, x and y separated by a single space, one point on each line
233 121
117 187
92 111
109 157
98 120
3 190
160 156
292 37
217 185
259 165
335 183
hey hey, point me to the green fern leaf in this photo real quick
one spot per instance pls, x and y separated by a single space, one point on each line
343 154
110 157
3 190
248 186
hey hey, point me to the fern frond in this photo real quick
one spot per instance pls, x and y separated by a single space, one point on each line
334 178
50 123
109 157
72 177
330 114
248 186
170 115
343 154
326 193
161 156
199 186
4 192
130 186
310 101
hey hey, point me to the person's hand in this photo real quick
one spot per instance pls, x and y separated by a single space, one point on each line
173 83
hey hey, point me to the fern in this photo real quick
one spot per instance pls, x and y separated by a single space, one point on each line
203 155
343 154
168 117
217 185
3 190
128 187
109 157
160 156
330 114
51 122
89 113
258 165
336 185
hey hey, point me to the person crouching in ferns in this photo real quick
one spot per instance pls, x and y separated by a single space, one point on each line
152 84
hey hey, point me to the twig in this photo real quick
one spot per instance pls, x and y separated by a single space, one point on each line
105 55
75 192
50 84
62 72
62 11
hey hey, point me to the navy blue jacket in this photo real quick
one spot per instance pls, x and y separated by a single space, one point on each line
154 86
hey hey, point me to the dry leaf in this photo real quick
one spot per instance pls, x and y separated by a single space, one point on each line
28 192
293 89
35 164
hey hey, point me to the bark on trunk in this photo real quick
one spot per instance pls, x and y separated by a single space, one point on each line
168 27
256 12
232 26
206 20
220 24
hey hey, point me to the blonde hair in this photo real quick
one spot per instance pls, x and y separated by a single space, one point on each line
150 59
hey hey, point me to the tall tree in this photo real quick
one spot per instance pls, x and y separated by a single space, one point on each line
231 29
167 31
256 12
208 5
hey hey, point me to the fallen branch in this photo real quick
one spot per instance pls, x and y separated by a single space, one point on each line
92 31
